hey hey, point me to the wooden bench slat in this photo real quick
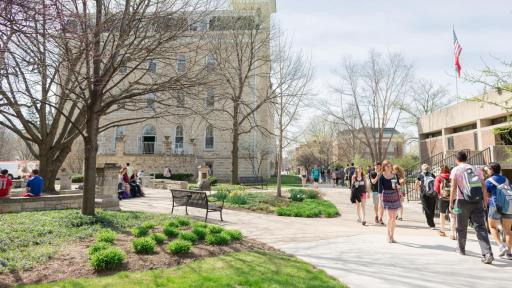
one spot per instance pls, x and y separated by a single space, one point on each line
195 199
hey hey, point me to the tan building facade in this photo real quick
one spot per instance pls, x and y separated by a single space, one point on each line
183 141
473 125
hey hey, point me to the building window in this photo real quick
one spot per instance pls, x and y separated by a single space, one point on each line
180 99
451 144
152 66
210 98
211 62
123 68
118 133
178 139
148 139
150 101
464 128
209 139
181 64
200 25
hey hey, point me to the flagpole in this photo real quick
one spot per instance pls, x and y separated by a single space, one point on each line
456 75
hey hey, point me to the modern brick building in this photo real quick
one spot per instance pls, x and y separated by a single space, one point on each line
474 125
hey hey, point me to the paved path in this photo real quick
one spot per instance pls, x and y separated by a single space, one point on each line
357 255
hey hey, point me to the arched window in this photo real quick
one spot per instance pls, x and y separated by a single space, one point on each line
150 101
148 139
209 139
211 62
178 139
210 98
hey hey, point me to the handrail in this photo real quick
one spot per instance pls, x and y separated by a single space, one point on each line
481 158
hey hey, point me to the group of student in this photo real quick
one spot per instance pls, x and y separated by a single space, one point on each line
129 183
465 193
34 187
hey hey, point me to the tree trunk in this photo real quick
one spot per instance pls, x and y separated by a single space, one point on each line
90 149
279 163
50 161
234 156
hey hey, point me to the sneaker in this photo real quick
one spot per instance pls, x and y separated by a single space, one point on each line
487 259
503 250
376 220
364 223
381 222
461 251
432 228
508 256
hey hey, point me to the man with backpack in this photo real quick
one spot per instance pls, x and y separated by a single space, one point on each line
425 185
470 194
500 208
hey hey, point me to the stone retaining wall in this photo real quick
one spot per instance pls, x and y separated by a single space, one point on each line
43 203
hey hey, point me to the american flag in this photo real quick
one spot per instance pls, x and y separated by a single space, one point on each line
457 49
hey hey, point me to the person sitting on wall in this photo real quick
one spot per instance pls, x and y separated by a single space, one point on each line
5 183
34 185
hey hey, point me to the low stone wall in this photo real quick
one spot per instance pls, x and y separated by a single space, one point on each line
19 192
43 203
168 184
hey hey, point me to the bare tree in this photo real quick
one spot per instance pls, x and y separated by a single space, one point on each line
372 95
7 142
425 99
290 83
240 48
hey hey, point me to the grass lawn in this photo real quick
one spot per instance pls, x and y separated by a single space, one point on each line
32 237
244 269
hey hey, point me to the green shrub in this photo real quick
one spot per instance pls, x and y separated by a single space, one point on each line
173 223
140 231
188 236
199 232
107 259
144 245
97 247
200 225
309 208
234 235
183 222
214 229
218 239
221 195
297 196
312 194
106 235
238 198
179 246
213 180
171 232
193 187
148 225
229 188
77 178
159 238
301 194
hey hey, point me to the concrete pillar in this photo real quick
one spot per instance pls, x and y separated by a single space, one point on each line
120 145
106 186
65 180
443 139
203 173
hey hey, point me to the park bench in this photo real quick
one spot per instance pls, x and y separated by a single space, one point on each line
195 199
253 181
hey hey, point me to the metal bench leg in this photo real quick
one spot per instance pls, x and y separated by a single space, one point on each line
206 217
172 209
221 216
186 210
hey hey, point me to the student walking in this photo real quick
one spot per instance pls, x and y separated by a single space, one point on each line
443 187
389 188
498 187
358 194
350 173
303 176
341 176
470 192
425 186
400 173
374 183
315 174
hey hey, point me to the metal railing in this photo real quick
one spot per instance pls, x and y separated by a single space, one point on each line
481 158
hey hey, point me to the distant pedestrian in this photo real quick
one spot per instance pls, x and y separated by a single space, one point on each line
498 187
341 176
129 170
443 188
469 190
389 187
400 173
351 171
315 174
303 176
425 186
358 194
35 185
334 178
377 199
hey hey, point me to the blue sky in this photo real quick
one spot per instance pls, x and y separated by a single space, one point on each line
330 30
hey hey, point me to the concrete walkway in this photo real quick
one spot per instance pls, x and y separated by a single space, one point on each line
360 256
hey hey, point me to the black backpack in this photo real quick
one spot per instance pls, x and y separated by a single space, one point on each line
428 184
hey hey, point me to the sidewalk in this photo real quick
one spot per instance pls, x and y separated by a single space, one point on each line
360 256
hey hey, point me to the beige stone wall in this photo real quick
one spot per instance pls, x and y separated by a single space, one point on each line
47 202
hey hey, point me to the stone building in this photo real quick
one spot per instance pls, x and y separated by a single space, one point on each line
474 125
183 141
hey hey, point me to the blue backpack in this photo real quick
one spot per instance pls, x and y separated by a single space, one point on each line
503 196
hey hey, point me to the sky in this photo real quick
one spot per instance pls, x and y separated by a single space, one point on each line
331 30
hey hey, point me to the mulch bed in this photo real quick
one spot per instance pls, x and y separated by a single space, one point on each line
73 262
